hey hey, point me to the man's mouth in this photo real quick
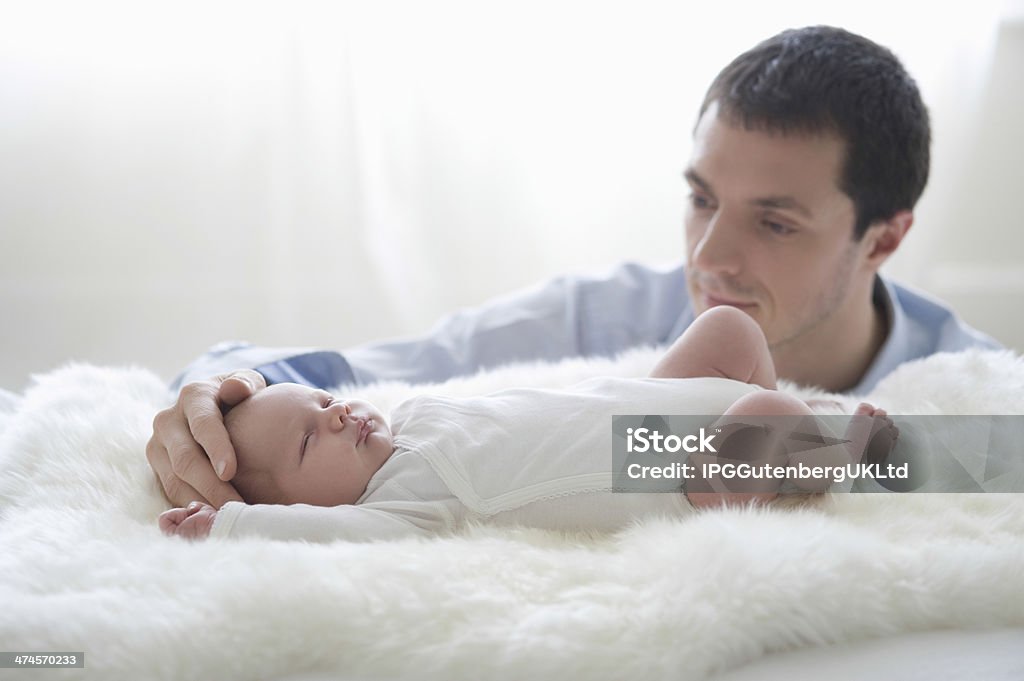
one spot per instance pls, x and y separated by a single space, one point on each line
710 297
714 301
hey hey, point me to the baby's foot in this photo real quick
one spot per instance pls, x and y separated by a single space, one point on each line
872 434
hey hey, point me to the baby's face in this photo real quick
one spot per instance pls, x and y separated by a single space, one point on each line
316 449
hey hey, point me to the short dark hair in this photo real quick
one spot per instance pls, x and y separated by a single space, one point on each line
822 79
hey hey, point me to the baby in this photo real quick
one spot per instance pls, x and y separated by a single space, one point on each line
313 467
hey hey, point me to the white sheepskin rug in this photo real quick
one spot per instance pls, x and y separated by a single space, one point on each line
84 567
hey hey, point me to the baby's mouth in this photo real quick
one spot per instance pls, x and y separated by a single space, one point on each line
365 428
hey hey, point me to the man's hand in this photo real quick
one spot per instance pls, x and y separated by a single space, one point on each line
193 522
190 450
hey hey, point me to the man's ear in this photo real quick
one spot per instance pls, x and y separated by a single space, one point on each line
885 236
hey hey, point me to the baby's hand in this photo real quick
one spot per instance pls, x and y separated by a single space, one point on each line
193 522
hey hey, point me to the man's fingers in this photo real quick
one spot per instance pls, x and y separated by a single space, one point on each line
209 432
190 465
239 385
177 491
190 450
206 427
207 423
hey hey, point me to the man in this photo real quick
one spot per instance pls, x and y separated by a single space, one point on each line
809 155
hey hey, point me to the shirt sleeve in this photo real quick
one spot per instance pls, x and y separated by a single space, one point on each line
317 523
569 316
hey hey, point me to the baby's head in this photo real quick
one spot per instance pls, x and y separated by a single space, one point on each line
297 445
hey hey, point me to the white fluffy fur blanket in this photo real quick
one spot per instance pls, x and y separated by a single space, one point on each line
84 567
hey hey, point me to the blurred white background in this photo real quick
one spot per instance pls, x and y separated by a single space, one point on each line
176 174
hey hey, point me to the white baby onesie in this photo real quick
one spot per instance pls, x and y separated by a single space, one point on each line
533 457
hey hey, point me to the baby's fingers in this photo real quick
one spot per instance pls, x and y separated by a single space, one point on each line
169 520
197 525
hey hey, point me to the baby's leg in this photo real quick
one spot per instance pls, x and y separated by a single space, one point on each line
753 431
722 342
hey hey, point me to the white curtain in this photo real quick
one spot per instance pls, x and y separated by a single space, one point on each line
328 173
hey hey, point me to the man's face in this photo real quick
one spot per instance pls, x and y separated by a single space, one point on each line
768 230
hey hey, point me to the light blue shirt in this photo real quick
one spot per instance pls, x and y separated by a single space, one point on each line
569 317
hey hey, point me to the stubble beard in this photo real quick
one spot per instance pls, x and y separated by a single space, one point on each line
825 305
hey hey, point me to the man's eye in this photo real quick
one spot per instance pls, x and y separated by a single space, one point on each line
778 228
699 201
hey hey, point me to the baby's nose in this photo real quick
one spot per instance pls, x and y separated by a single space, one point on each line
339 406
338 411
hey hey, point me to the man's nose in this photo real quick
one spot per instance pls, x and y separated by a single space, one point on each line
720 248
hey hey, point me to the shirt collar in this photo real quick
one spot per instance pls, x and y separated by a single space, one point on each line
895 348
